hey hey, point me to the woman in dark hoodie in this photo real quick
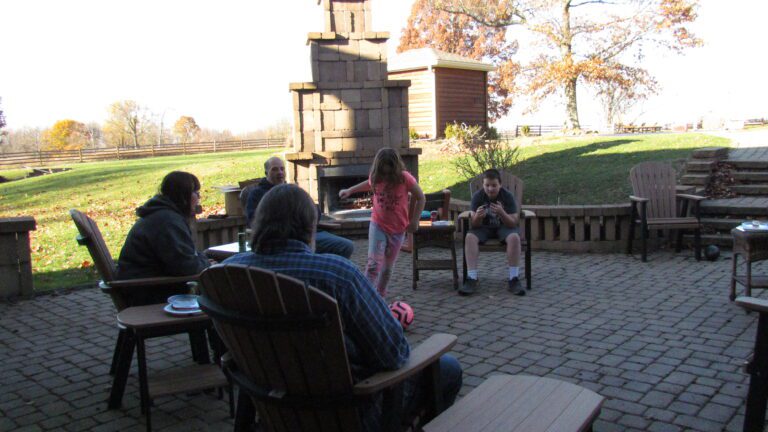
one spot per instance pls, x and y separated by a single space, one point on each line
160 243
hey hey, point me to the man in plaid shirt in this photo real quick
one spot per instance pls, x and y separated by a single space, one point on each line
374 339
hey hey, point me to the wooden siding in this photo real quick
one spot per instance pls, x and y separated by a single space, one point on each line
420 99
461 97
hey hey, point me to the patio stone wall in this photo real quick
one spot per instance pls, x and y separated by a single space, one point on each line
213 232
576 228
15 257
573 228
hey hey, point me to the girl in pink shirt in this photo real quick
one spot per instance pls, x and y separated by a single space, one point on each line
390 219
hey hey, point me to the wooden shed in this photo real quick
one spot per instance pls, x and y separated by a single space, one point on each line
444 88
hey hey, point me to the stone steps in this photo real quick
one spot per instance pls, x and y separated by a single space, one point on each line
737 207
695 179
724 241
700 166
748 164
751 176
751 189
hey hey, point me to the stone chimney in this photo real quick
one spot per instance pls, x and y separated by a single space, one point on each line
350 109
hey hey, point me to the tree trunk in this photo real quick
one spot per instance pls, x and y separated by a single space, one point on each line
571 109
566 51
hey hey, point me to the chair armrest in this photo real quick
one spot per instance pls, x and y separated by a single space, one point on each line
227 362
638 199
753 304
691 197
421 357
328 225
465 214
151 282
527 214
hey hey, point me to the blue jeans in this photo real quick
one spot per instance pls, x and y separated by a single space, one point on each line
326 242
450 384
415 390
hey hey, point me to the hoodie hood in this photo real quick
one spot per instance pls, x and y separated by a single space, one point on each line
156 204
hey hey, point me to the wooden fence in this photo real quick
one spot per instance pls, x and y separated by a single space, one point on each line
534 130
43 158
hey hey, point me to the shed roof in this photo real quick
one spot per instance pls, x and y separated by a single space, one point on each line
426 57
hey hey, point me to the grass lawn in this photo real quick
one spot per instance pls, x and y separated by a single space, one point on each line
566 171
592 170
109 192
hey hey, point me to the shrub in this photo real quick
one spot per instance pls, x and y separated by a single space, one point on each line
492 134
477 153
412 134
525 130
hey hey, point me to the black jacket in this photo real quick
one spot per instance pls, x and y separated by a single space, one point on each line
159 244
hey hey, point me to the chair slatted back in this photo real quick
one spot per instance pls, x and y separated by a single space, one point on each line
655 181
439 201
91 237
300 362
508 181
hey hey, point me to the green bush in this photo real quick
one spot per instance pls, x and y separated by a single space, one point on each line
476 153
412 134
492 134
525 130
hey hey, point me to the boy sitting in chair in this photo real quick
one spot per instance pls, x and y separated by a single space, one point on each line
494 215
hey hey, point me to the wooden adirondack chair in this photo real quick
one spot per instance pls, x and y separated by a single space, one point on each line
655 206
127 293
286 341
437 201
515 186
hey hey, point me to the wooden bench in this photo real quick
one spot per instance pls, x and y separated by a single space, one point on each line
521 403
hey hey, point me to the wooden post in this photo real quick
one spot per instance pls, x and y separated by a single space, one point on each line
214 146
15 257
118 152
39 157
184 148
80 153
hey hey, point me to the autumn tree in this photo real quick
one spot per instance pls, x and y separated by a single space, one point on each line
186 129
591 42
66 135
462 35
128 124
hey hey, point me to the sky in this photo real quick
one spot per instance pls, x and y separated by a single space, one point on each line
228 63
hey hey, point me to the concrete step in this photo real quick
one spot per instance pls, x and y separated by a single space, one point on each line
735 207
751 176
695 166
754 165
710 153
750 189
723 241
695 179
721 224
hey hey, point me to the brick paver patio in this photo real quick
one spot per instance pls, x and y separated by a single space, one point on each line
659 340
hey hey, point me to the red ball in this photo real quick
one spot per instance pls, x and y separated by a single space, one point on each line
402 312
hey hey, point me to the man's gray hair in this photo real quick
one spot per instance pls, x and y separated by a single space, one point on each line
285 213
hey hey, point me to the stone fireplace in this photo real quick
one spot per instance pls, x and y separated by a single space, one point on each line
350 110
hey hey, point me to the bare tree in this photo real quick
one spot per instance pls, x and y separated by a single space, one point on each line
128 123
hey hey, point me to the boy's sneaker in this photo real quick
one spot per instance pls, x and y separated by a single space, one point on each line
515 287
468 287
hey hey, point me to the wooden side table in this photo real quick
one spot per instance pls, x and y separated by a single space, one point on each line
143 322
440 236
752 245
521 404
